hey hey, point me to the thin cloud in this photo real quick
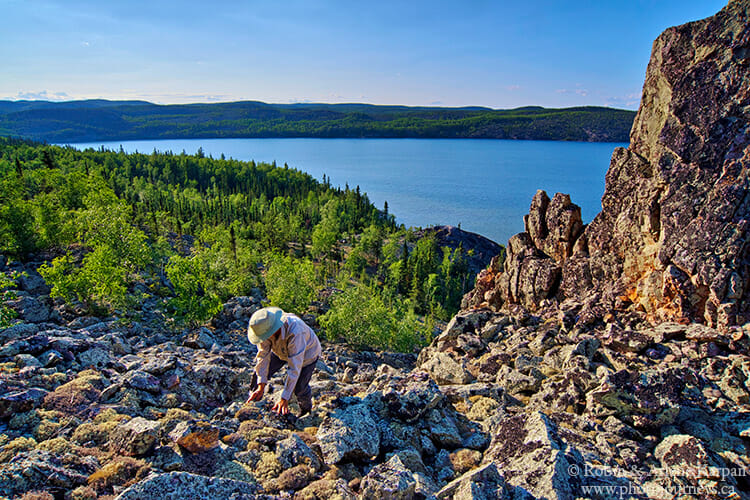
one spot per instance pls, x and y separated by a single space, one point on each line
40 96
580 92
626 101
512 88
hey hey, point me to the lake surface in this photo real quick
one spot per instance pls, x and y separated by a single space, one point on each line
486 186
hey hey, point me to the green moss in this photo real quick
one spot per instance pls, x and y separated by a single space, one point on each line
118 472
110 415
235 470
83 493
268 467
89 433
58 446
28 420
16 446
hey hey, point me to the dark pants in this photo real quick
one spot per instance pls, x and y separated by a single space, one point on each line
301 390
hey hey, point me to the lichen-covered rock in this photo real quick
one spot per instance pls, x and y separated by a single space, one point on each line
21 401
408 398
294 451
531 456
195 436
391 480
135 437
349 433
647 399
444 369
31 469
484 483
31 309
325 489
178 485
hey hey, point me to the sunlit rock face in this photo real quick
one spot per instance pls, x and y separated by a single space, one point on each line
671 240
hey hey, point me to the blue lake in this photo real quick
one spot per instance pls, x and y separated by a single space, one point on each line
486 186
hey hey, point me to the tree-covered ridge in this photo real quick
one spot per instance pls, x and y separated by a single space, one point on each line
115 229
80 121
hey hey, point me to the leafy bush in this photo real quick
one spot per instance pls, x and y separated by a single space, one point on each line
193 301
290 283
361 316
118 252
6 313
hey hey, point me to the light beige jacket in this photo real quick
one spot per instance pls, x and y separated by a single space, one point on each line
297 345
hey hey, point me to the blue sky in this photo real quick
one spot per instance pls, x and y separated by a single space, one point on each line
459 53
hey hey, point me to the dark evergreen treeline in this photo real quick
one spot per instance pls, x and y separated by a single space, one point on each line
194 231
81 121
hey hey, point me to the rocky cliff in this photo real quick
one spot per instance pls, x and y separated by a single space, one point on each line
671 240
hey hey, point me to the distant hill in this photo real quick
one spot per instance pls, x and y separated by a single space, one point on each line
94 120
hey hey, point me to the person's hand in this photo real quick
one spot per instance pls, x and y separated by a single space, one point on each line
282 407
257 394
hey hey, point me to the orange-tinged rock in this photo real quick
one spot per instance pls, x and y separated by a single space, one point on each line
195 437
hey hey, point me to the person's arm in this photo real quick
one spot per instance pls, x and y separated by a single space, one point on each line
262 361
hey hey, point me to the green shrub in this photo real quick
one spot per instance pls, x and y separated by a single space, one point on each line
290 283
7 315
361 316
193 302
118 252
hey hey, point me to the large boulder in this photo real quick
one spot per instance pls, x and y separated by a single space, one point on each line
528 451
175 485
135 437
391 480
349 433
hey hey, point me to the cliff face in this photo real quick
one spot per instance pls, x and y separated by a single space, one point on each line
671 239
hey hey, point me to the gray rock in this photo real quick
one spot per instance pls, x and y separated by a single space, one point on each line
408 398
391 480
32 282
531 455
294 451
27 360
136 437
95 357
31 309
19 330
483 483
444 369
143 381
28 470
349 433
160 365
443 429
180 485
515 382
51 358
167 459
21 401
201 339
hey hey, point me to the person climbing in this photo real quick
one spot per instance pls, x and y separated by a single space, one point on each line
283 338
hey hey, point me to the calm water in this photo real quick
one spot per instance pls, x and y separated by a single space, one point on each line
486 186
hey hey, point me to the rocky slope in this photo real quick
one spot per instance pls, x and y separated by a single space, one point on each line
600 361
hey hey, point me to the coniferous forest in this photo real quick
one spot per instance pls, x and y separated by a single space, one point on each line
114 229
95 120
